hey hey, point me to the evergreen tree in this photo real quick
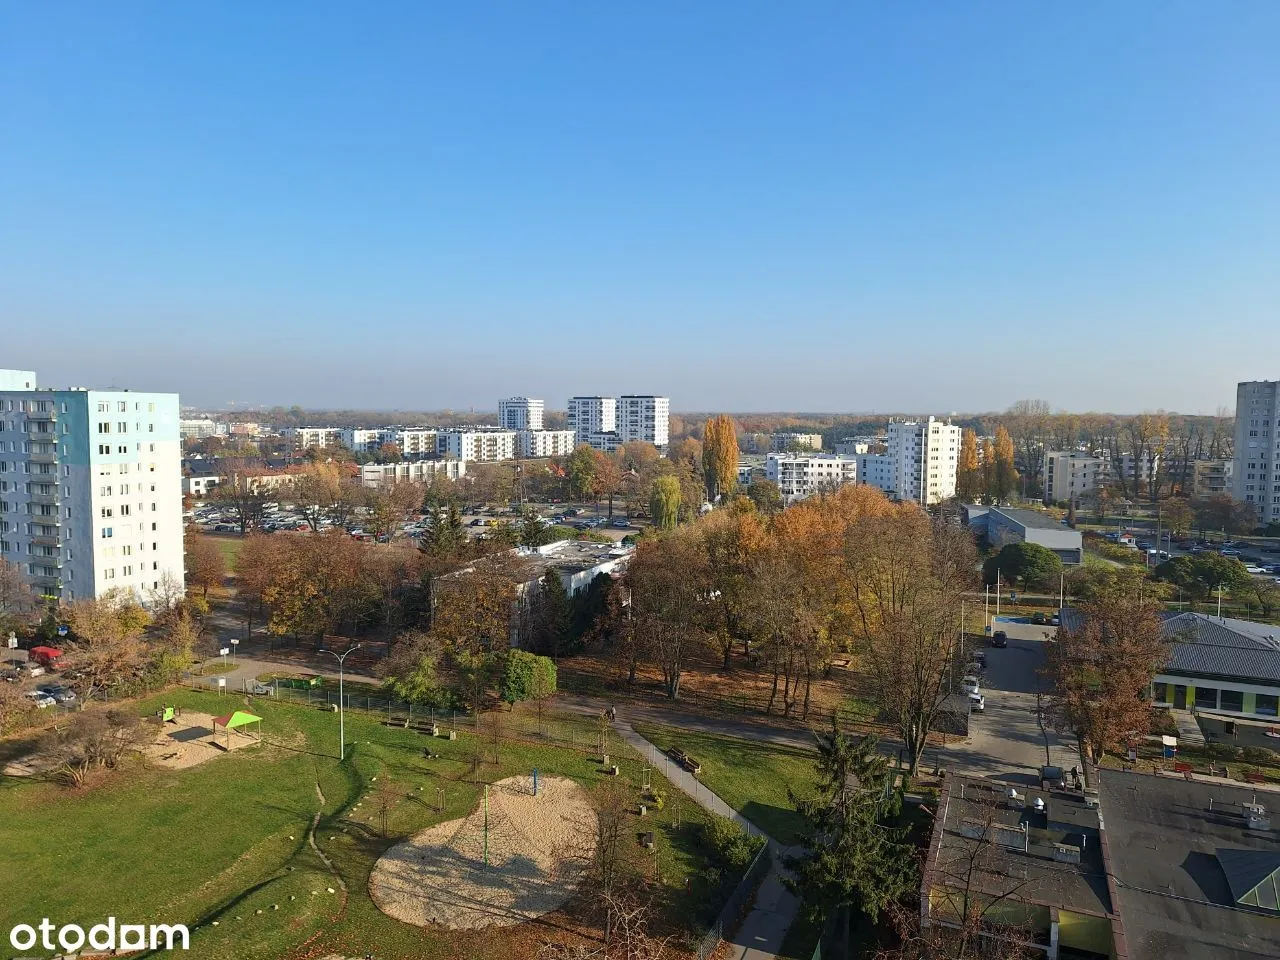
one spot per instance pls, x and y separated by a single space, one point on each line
855 858
445 532
552 615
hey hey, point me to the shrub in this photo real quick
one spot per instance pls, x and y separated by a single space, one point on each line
1261 756
731 847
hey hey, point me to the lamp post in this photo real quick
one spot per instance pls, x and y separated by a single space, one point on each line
235 645
342 729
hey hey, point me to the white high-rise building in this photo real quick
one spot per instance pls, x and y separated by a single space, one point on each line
91 490
365 441
798 475
877 470
520 413
644 419
925 455
1255 473
592 415
414 442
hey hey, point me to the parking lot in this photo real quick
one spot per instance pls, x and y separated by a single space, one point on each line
1007 741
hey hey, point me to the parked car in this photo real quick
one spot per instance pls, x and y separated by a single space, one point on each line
1229 552
1055 620
1000 639
59 694
970 684
622 523
41 700
1039 618
977 703
1254 570
980 656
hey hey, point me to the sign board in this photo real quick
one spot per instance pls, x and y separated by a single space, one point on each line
235 643
1133 755
223 652
222 681
12 642
62 630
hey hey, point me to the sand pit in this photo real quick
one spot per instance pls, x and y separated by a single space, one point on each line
188 740
538 847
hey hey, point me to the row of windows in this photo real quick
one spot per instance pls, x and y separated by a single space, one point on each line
122 406
1213 698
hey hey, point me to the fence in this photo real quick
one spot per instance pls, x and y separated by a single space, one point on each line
743 892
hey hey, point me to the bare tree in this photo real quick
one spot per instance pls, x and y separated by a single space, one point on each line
92 740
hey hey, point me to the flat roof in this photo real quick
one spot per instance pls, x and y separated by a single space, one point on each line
1029 875
1031 519
1175 900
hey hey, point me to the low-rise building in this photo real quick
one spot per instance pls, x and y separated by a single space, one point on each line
411 471
304 437
1005 525
202 427
1032 863
1211 478
799 476
1219 665
475 444
545 443
201 475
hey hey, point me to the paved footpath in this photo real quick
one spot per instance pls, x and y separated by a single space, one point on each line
775 907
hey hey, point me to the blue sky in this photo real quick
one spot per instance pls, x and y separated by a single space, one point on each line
747 206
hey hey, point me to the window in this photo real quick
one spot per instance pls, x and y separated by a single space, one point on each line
106 533
1207 698
1266 705
122 406
106 513
1159 693
104 428
122 426
1232 700
109 574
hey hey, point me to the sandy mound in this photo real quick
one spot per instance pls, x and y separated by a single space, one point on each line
188 740
538 847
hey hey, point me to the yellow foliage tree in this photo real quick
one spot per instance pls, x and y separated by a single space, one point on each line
720 456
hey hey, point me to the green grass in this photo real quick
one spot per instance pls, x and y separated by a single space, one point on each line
750 776
230 547
226 839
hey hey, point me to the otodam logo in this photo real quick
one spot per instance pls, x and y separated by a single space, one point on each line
101 936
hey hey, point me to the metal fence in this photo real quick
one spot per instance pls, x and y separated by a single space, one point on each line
743 892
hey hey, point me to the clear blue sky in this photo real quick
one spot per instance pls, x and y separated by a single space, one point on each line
747 206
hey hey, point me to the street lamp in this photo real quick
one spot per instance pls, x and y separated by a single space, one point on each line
342 730
234 646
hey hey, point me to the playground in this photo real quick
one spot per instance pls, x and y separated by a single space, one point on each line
187 738
516 856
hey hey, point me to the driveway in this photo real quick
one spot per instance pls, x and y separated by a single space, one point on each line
1008 741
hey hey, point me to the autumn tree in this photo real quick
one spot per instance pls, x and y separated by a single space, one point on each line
256 567
205 562
766 495
668 584
969 486
1005 475
411 671
473 607
732 538
719 457
1178 514
93 739
909 575
1225 514
387 506
106 649
242 491
987 464
581 466
17 600
321 585
1101 668
664 502
608 478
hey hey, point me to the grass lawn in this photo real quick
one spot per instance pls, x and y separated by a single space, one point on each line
750 776
230 547
226 841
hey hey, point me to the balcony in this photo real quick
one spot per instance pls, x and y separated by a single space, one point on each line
46 540
45 520
47 584
47 499
46 415
50 457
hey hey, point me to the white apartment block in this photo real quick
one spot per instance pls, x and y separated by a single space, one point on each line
877 470
852 446
17 380
592 415
365 441
1212 478
782 442
410 471
644 419
91 490
799 476
520 413
925 455
1070 475
1255 477
416 443
201 428
304 437
477 445
545 443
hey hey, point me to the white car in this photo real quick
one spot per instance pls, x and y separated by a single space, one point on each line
41 700
977 703
1254 570
970 684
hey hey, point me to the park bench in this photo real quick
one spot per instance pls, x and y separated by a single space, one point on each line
1255 776
1182 768
684 760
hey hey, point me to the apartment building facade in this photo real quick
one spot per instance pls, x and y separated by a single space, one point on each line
305 437
644 419
477 445
925 455
91 491
1255 477
545 443
520 413
1212 478
799 475
1072 474
877 470
411 471
592 416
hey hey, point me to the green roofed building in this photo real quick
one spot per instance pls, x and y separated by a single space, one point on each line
1253 876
